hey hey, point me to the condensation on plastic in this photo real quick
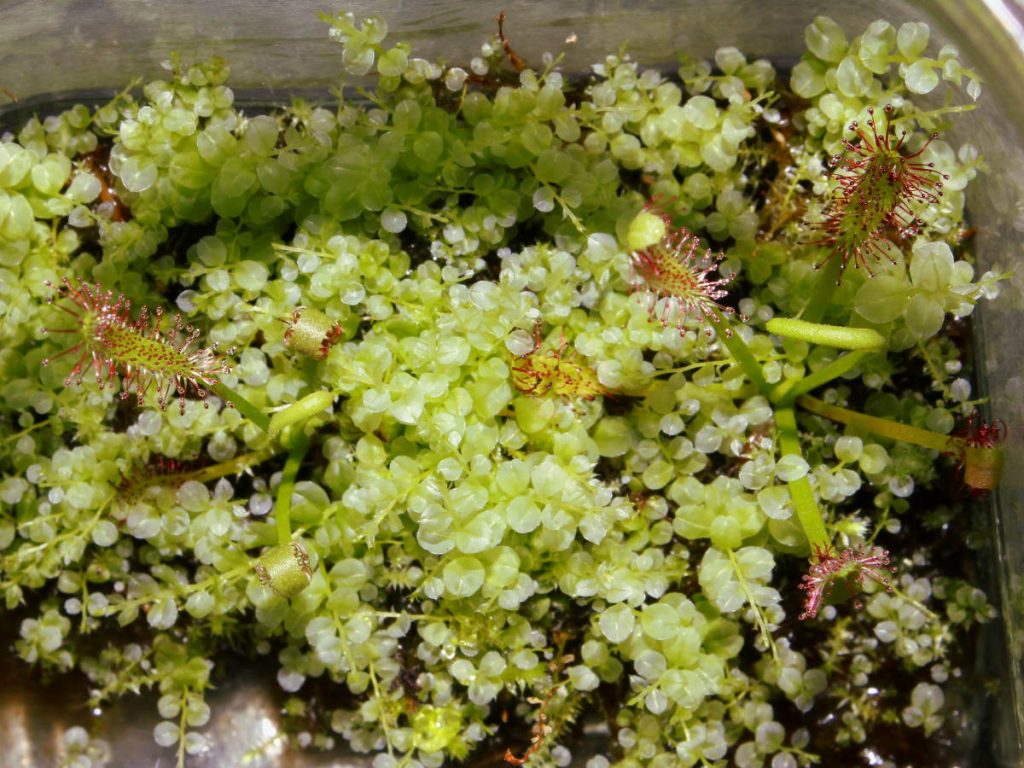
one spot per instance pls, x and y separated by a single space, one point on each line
53 50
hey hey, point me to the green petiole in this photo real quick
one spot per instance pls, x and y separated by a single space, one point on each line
807 510
247 409
298 444
742 354
788 391
823 335
875 425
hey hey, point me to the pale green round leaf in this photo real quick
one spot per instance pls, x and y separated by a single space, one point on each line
463 576
659 621
881 299
617 623
825 39
924 316
912 39
921 77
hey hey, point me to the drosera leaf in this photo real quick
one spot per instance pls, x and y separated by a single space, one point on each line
878 187
138 350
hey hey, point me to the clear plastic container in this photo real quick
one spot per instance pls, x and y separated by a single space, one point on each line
55 53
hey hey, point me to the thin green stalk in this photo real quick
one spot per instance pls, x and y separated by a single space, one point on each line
876 425
297 448
182 726
27 430
741 354
759 619
807 510
822 296
247 409
787 392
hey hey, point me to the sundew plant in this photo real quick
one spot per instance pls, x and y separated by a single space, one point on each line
496 405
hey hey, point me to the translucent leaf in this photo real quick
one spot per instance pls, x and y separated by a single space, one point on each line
463 576
261 135
931 268
104 534
660 621
613 436
428 147
790 468
169 706
852 77
701 112
881 299
393 62
138 174
876 45
358 61
953 72
718 580
755 563
165 734
523 515
656 701
912 39
924 316
583 678
200 604
163 613
775 502
481 533
921 77
658 474
503 570
617 623
650 665
726 582
19 219
825 39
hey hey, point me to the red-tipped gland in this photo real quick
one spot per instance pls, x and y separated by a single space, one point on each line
878 186
138 351
672 273
553 371
852 566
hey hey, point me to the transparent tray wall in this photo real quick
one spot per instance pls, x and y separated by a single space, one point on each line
61 51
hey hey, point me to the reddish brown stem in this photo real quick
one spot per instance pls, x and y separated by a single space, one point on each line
516 60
